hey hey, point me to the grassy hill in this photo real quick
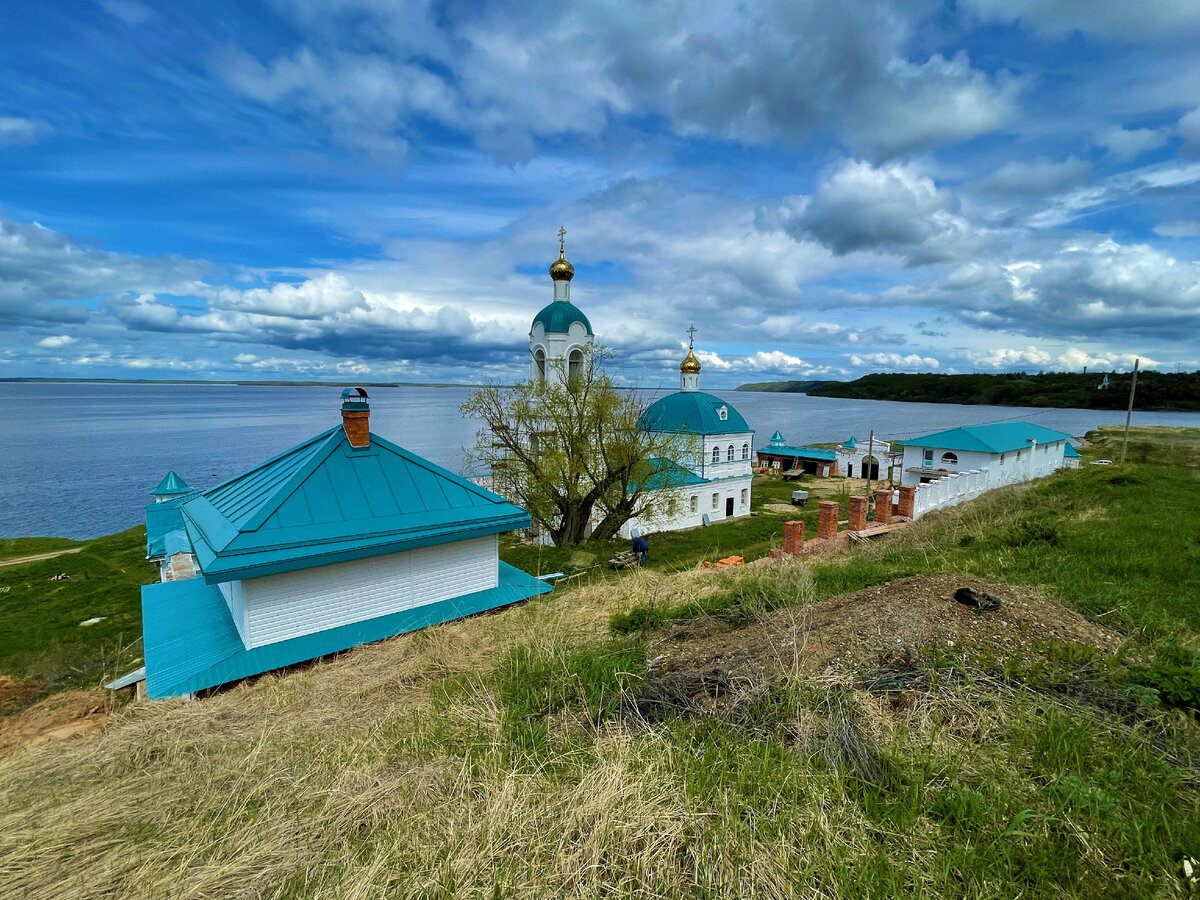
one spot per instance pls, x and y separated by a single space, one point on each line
735 733
783 387
1155 390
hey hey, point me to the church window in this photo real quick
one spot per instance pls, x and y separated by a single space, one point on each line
929 457
745 451
950 459
695 502
722 413
729 454
744 496
716 500
575 363
539 358
716 454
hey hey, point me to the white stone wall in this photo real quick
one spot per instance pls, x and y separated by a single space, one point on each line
968 483
740 441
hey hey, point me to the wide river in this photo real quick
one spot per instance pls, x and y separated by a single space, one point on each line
78 460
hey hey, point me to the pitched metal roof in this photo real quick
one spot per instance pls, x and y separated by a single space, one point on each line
161 519
171 484
666 473
693 412
191 643
1070 451
806 452
559 316
324 501
999 437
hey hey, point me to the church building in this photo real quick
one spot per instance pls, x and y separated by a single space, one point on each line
717 484
561 333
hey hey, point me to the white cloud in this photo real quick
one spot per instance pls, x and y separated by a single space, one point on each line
55 341
1072 359
1125 144
1189 129
1178 229
15 130
1144 20
894 361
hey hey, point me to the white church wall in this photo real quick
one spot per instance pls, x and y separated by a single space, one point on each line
685 516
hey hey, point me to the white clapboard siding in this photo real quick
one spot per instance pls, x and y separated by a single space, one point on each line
236 601
279 607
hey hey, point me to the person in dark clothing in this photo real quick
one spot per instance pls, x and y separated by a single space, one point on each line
641 548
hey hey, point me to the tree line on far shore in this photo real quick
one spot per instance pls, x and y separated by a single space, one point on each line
1156 391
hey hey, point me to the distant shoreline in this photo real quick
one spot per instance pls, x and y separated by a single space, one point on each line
235 383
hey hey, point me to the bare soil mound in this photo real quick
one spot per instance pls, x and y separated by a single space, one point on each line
884 622
15 693
56 718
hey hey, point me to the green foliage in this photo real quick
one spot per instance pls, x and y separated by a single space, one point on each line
42 640
1174 677
1155 390
534 681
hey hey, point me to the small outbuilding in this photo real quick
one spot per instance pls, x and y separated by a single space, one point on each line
791 461
1007 451
341 540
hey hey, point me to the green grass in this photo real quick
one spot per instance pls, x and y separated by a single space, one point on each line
12 548
1156 445
42 641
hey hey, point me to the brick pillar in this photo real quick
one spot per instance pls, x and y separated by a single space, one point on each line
793 538
827 519
883 506
858 513
357 423
908 495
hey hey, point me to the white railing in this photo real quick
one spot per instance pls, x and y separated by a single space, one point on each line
953 489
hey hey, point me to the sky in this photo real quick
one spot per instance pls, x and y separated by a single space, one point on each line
372 189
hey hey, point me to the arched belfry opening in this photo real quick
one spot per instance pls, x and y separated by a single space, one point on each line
575 363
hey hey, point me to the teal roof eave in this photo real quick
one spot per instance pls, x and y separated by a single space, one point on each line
998 437
218 569
192 644
1070 451
806 452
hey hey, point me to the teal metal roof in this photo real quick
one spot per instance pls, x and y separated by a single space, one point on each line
171 484
1000 437
191 643
666 473
806 452
850 444
1070 451
324 501
777 438
560 315
161 519
694 412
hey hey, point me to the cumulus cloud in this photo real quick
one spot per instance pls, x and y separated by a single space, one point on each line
894 362
752 73
54 342
1124 144
1072 359
891 209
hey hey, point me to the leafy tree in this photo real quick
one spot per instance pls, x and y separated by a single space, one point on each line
571 452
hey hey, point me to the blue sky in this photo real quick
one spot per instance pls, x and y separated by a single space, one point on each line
371 189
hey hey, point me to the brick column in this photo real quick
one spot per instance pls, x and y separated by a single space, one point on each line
858 513
793 538
883 506
827 519
908 494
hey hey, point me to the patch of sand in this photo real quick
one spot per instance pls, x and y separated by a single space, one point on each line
58 717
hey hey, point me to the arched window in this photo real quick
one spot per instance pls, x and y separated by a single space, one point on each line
729 455
745 451
574 363
950 459
716 454
539 358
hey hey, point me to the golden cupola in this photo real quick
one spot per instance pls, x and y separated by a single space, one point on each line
690 365
560 269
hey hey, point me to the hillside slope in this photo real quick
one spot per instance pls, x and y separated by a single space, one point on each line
739 749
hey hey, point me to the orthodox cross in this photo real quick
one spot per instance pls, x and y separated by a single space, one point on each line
691 335
562 240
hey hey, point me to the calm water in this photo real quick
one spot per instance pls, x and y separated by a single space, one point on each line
78 460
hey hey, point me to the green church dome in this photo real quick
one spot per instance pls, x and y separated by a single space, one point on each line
692 411
559 316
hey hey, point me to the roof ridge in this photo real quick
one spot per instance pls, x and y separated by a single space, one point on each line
288 487
270 462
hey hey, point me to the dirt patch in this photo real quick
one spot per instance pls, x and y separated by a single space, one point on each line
784 508
15 693
37 557
56 718
886 621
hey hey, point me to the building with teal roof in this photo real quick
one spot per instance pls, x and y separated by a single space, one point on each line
344 538
718 484
560 334
1008 451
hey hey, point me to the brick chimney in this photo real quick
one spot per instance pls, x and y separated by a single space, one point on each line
356 417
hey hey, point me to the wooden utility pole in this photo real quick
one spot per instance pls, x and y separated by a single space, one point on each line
870 455
1129 410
